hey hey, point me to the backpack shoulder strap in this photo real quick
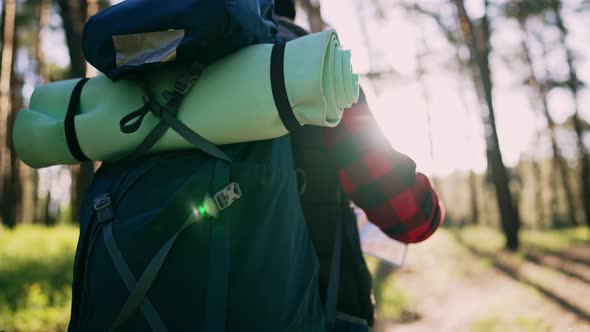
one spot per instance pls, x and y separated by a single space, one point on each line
330 310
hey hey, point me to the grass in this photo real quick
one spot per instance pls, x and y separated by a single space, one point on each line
499 324
392 302
36 274
490 239
557 239
35 278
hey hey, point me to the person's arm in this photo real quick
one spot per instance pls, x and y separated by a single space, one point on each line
381 181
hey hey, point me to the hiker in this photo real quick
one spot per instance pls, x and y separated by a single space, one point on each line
359 165
178 233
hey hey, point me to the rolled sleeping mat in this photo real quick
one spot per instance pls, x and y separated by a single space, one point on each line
232 102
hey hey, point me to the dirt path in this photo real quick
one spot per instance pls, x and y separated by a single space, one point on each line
455 291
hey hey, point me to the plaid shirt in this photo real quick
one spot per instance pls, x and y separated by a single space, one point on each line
380 180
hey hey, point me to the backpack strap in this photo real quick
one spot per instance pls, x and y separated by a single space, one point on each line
149 312
138 295
219 256
218 262
279 90
219 253
330 310
167 115
69 123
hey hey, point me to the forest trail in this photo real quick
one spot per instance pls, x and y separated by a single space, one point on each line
454 287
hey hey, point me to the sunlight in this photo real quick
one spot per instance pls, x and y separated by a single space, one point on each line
401 108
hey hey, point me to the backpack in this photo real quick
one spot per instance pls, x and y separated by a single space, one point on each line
129 38
151 262
160 234
162 261
345 281
137 35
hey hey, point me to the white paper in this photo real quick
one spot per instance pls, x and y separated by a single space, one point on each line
375 243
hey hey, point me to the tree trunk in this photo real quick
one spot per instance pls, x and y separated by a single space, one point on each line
479 46
554 200
73 14
474 207
314 14
44 13
539 203
8 171
29 193
573 85
49 219
29 176
558 160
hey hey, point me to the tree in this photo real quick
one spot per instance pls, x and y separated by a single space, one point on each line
574 85
521 11
74 14
8 174
477 38
314 14
37 13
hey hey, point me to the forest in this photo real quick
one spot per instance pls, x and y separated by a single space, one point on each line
489 97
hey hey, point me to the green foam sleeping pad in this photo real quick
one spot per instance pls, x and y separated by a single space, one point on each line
232 102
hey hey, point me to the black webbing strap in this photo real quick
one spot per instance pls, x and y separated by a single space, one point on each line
331 307
138 296
104 212
279 90
194 138
167 115
70 125
148 310
219 259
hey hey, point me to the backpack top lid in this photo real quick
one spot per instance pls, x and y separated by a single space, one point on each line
137 34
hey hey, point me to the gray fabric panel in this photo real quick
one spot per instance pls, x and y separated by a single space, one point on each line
147 47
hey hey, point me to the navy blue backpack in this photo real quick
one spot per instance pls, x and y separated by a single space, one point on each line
211 239
140 34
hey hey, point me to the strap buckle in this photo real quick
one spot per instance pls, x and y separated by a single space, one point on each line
104 209
227 196
184 84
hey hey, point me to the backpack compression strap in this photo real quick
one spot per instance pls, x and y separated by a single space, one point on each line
167 114
69 124
218 261
330 310
279 90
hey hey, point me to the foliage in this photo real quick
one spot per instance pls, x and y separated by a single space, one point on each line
35 277
454 192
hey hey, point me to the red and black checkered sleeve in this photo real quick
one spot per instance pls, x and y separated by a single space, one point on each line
382 181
